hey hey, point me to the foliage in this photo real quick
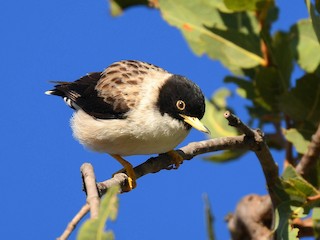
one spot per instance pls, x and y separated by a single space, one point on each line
218 125
238 34
95 228
295 204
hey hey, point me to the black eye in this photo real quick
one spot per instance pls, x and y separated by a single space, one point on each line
180 105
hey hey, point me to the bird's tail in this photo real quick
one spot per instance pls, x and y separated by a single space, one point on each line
56 90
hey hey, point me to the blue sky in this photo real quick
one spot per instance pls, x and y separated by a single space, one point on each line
41 184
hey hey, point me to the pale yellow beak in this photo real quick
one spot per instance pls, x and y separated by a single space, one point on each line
195 123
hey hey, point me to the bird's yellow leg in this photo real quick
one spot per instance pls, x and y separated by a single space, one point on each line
129 169
176 158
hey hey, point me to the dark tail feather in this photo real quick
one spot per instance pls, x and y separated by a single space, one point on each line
56 90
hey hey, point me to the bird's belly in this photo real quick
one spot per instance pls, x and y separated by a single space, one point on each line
113 137
127 145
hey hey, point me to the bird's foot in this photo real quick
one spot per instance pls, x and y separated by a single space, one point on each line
176 157
132 183
131 178
130 173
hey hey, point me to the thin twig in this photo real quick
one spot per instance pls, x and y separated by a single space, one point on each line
234 121
89 180
74 222
310 158
305 227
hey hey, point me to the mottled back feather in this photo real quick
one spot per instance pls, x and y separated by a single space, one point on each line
109 94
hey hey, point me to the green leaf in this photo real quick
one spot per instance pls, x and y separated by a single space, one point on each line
314 15
226 37
316 222
302 103
293 233
218 125
214 119
306 44
297 139
283 214
297 187
245 87
295 204
269 88
283 57
230 45
226 156
260 109
246 5
95 228
118 6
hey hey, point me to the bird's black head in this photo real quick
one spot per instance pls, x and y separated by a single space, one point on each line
181 96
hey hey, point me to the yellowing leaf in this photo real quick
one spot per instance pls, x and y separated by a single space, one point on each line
209 31
245 5
297 139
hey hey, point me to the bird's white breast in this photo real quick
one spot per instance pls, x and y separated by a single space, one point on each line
142 134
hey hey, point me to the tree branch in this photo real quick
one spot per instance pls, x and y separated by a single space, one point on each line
305 227
258 145
165 162
90 188
252 219
251 140
310 158
74 222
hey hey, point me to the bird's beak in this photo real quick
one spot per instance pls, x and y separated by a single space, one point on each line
195 122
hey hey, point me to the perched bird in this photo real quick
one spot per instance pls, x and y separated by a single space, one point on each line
132 108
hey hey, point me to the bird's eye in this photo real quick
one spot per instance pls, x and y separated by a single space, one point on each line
181 105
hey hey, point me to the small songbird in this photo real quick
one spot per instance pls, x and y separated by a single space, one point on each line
133 108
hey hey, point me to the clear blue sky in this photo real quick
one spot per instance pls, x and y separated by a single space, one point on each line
40 160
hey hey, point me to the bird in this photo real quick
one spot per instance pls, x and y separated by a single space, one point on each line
132 108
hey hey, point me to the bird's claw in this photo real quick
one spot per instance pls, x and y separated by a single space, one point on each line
177 159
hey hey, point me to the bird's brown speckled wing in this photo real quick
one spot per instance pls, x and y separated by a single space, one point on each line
109 94
120 84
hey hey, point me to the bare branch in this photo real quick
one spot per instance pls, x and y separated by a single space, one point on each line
120 179
90 187
252 219
258 145
311 156
234 121
306 227
165 162
74 222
